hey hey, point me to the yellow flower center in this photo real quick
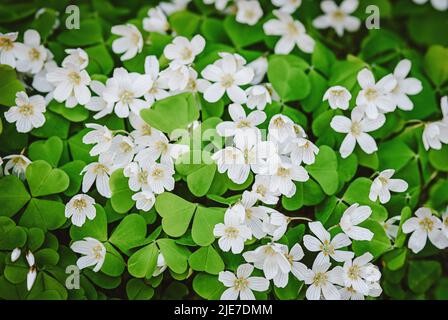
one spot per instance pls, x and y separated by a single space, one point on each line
227 81
320 278
283 172
26 109
354 272
126 97
327 248
427 224
74 77
231 232
240 284
6 43
356 128
34 54
157 173
371 94
79 204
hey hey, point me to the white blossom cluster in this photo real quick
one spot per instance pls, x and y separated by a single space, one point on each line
374 100
276 159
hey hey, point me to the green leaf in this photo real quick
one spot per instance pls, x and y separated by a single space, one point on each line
114 264
208 286
439 158
287 76
78 149
395 259
121 199
436 64
200 181
35 239
406 213
185 23
204 222
176 213
394 154
76 114
291 291
138 290
89 33
100 60
54 125
379 244
206 259
9 86
243 35
44 214
423 275
358 192
11 236
73 170
43 180
176 256
296 201
13 195
49 150
96 228
175 112
324 170
130 233
143 262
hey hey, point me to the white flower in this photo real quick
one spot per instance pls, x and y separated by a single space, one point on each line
138 175
422 227
375 97
130 42
291 32
297 268
242 284
228 76
28 113
158 146
258 96
445 222
71 85
233 232
288 6
302 150
240 121
260 67
98 172
183 51
281 128
254 216
98 103
390 228
248 12
270 258
8 48
440 5
405 86
31 278
261 190
76 57
358 274
18 163
30 258
93 253
275 224
15 254
338 97
249 153
356 129
156 21
156 92
219 4
174 6
124 90
122 150
338 18
143 133
383 184
79 207
40 82
175 77
436 133
31 55
350 219
144 200
160 178
101 136
286 173
160 266
321 282
326 246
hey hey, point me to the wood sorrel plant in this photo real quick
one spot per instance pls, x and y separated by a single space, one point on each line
223 150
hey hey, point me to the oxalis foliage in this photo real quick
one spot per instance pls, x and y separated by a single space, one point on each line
223 149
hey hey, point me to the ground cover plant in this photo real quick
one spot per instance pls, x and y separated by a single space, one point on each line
218 149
